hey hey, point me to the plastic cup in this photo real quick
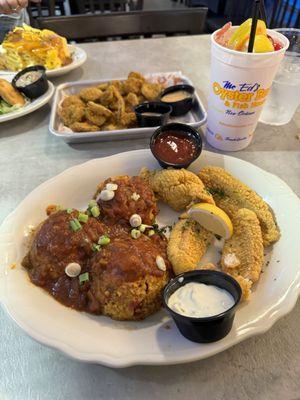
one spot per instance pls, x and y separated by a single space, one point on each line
240 83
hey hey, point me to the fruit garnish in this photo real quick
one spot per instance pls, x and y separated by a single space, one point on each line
242 33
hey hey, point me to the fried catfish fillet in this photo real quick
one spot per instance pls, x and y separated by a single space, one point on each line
243 253
177 187
230 194
187 244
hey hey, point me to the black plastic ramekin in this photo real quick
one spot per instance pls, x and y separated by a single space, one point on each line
188 132
207 329
164 110
34 89
180 107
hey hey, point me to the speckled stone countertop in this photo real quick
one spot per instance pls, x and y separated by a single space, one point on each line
265 367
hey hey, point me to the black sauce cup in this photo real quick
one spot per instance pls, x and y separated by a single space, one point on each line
164 110
36 88
183 106
207 329
186 131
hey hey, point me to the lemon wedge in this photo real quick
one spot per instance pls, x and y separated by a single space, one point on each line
212 218
262 44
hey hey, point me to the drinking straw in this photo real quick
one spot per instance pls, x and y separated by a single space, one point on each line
262 11
253 25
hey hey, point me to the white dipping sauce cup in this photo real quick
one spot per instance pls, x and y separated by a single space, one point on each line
240 83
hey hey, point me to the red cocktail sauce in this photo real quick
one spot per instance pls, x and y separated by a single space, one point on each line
175 147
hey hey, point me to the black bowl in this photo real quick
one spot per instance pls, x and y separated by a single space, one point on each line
35 89
186 131
208 329
164 110
180 107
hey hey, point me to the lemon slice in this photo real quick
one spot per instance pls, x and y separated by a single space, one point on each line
262 44
212 218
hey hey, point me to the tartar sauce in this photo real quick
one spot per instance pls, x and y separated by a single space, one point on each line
199 300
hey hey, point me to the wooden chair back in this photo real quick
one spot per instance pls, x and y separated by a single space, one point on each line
92 6
102 26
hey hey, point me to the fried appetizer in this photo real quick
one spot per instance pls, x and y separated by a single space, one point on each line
230 194
136 75
131 196
97 114
90 94
72 100
72 114
133 85
132 100
179 188
151 91
243 253
10 94
84 127
187 245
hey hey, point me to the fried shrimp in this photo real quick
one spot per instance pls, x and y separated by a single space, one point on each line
179 188
230 194
90 94
187 245
243 253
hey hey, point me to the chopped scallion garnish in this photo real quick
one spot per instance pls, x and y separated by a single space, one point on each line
69 210
104 240
84 278
95 211
75 225
96 247
83 217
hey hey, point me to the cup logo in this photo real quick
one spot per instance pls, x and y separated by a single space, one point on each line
242 96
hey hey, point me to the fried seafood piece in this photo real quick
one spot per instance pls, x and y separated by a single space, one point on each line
103 86
126 283
230 194
136 75
187 245
108 96
10 94
133 196
90 94
179 188
53 246
243 253
119 86
151 91
72 100
72 114
84 127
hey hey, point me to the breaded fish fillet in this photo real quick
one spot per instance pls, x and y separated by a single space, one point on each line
230 194
187 244
243 253
177 187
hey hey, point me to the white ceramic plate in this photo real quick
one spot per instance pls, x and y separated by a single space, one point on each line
30 107
79 57
155 340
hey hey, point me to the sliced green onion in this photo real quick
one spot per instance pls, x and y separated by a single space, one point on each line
96 247
142 228
92 203
95 211
75 225
84 278
135 233
69 210
104 240
151 232
83 217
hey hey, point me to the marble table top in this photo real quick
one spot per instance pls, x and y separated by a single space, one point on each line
265 367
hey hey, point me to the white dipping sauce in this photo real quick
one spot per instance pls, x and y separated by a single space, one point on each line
199 300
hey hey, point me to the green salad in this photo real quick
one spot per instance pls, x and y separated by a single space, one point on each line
7 108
